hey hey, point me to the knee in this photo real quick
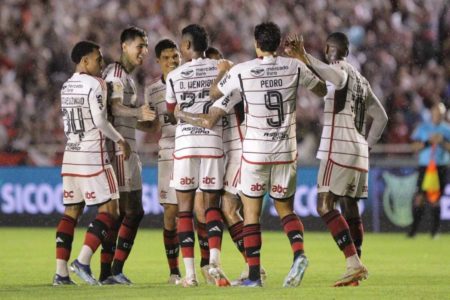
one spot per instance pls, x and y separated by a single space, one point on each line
324 205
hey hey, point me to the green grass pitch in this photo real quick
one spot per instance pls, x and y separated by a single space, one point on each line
399 268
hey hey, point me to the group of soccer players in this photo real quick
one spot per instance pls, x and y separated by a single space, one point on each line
228 137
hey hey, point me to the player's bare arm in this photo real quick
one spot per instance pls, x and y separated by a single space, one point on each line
125 148
376 111
201 120
142 113
223 66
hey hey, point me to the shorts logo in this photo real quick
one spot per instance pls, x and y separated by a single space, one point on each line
68 194
187 180
257 187
89 195
365 189
209 180
279 189
163 194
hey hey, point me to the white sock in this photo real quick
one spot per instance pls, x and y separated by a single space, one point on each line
353 261
214 256
61 267
189 266
85 255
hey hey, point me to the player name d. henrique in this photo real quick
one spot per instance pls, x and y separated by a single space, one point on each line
196 84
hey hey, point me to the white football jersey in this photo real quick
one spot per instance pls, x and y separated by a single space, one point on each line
232 124
269 87
155 95
83 100
343 136
189 86
121 85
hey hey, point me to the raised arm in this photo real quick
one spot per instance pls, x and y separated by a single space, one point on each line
223 66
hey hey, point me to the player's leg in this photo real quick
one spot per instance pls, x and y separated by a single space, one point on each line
282 188
132 210
202 235
171 243
100 191
211 173
333 176
418 207
231 206
351 214
253 184
185 182
65 231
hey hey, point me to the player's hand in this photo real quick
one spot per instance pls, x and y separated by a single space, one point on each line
224 65
125 148
294 47
177 111
145 113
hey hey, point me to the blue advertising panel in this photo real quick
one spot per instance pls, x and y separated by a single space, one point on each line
32 197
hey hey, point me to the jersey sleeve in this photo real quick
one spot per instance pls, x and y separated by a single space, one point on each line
226 103
307 78
229 82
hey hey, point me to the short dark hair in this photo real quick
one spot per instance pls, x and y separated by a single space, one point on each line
132 32
198 35
213 51
268 36
341 40
81 49
163 45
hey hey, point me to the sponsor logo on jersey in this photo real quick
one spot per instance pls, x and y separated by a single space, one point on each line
257 71
258 187
187 73
209 180
187 181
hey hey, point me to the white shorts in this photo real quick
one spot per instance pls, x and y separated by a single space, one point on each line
232 177
93 190
129 172
277 179
167 194
341 181
192 173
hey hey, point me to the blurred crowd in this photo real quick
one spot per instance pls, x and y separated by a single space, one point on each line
401 46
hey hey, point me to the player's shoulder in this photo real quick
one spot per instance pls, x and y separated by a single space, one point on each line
93 81
114 71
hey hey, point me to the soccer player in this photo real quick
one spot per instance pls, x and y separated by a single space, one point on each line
126 116
269 87
344 148
431 138
198 153
168 58
230 111
88 177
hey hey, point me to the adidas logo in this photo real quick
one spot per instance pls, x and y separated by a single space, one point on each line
297 237
59 240
255 252
188 240
215 228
